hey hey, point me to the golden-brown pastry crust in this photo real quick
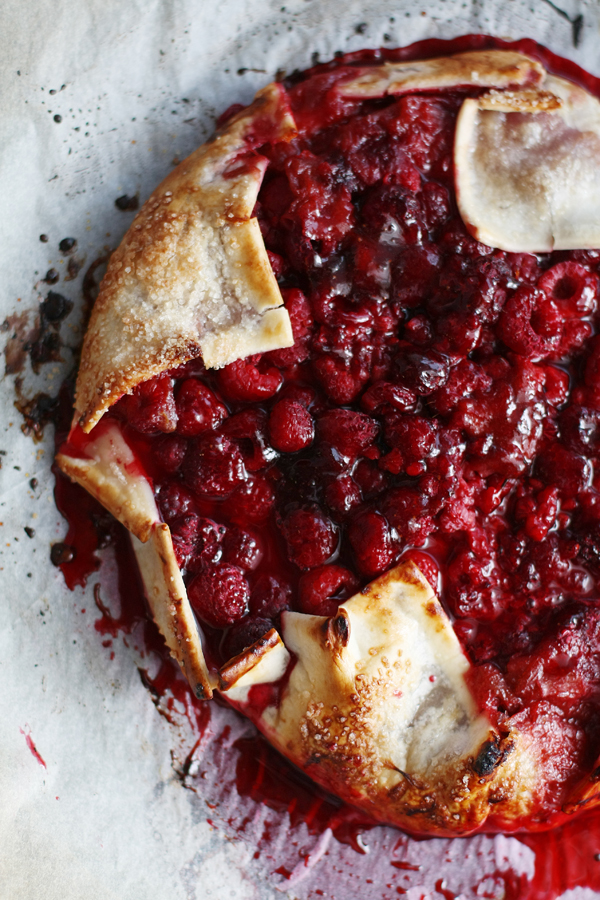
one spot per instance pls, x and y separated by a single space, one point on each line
170 607
527 168
191 276
376 709
477 68
110 473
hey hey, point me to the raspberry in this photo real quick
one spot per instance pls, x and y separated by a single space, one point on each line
151 407
530 323
242 549
422 373
414 436
371 541
407 511
580 429
213 466
184 533
270 596
318 588
556 388
342 495
291 426
219 595
370 479
300 393
384 396
573 286
349 432
427 566
591 375
301 320
252 501
310 536
208 545
174 500
437 204
569 471
278 264
472 587
541 515
198 409
170 451
414 276
242 380
323 203
418 331
574 335
249 428
504 425
338 383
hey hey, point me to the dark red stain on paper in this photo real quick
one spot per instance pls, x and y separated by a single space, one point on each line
33 749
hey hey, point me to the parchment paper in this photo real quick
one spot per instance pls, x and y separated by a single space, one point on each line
89 802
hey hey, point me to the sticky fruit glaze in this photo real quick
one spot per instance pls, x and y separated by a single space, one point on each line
441 402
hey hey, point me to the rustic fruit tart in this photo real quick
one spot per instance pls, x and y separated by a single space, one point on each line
342 384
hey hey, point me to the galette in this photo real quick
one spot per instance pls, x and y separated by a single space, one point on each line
342 385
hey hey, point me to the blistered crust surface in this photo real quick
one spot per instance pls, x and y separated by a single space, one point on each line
476 68
192 276
528 169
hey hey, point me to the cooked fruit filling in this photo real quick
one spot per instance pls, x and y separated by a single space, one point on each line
441 402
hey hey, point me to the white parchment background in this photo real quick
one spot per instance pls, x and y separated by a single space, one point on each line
137 84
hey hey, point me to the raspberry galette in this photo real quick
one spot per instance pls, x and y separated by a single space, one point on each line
342 385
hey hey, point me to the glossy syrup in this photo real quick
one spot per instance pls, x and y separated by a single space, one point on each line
565 858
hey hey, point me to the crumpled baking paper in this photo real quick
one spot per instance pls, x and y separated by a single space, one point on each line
98 98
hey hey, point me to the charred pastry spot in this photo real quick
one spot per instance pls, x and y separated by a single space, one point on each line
489 758
338 631
408 778
422 810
